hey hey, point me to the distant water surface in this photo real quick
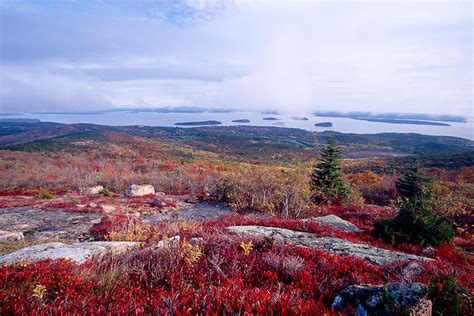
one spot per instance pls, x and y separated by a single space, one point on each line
345 125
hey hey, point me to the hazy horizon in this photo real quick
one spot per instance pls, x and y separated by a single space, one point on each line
289 56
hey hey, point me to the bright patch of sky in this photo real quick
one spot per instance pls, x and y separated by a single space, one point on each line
291 56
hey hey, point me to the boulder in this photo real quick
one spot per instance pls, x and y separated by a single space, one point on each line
92 190
389 299
169 242
6 235
339 246
78 252
192 199
107 208
158 202
412 270
336 223
139 190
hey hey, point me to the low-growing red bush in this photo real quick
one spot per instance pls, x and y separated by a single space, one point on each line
220 273
224 279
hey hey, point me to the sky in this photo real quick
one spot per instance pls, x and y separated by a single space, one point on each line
291 56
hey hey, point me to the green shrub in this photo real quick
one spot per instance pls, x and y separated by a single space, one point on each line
105 191
448 297
327 182
414 185
415 223
45 194
76 201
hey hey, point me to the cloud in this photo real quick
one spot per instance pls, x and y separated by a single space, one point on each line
291 56
43 91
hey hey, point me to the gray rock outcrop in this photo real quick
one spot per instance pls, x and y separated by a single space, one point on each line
335 222
339 246
389 299
78 252
6 235
92 190
139 190
107 209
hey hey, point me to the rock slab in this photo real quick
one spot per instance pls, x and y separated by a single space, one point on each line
339 246
139 190
6 235
336 222
385 299
92 190
37 224
78 252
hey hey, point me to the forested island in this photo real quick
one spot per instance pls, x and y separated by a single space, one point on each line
323 124
199 123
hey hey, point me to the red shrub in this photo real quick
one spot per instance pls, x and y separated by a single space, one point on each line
111 222
222 278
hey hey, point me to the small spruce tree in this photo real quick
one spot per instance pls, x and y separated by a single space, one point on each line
415 221
414 186
327 184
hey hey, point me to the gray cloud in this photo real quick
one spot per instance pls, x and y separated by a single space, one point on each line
290 56
44 91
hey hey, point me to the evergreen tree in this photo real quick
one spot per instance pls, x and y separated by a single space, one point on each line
415 221
414 186
327 184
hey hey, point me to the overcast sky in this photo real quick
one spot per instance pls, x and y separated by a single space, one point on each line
293 56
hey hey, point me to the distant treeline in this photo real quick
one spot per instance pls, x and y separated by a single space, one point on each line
401 164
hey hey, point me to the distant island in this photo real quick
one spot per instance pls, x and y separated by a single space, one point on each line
166 109
199 123
241 121
270 119
400 121
19 120
299 118
273 112
393 116
323 124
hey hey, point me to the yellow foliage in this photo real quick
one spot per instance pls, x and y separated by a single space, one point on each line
365 178
134 232
246 247
39 291
180 227
21 264
190 253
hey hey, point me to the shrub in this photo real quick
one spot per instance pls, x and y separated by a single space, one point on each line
76 201
45 194
105 191
276 191
414 185
213 280
374 188
120 227
202 278
415 223
448 297
327 184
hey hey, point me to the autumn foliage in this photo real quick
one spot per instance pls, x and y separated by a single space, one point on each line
213 274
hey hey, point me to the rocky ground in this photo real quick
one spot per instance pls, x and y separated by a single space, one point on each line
36 223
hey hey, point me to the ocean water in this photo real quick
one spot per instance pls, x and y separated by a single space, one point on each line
345 125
